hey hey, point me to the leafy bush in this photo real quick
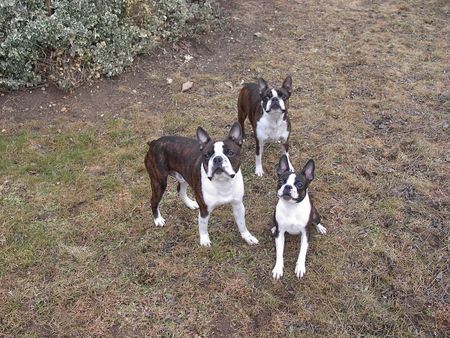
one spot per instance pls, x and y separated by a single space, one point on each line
70 41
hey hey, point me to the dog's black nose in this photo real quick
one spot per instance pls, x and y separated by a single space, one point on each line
217 160
287 189
275 99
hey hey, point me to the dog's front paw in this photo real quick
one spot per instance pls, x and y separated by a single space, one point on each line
259 171
300 270
159 221
277 271
205 241
321 229
249 238
191 204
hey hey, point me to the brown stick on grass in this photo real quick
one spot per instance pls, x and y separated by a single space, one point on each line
48 3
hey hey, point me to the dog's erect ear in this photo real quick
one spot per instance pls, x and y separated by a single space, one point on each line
308 170
287 84
202 137
262 85
283 165
236 133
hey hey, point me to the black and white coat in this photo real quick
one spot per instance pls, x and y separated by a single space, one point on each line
294 213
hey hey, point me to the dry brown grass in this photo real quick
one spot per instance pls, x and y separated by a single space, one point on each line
80 255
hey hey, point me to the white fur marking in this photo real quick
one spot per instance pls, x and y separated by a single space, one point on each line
183 192
300 267
321 229
269 102
283 107
272 127
226 164
291 182
291 167
159 221
203 230
239 217
191 204
293 219
277 271
223 189
258 166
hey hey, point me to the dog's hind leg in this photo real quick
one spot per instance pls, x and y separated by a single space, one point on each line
258 162
158 179
182 192
242 114
158 189
316 221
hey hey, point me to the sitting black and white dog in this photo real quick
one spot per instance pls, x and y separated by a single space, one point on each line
212 169
267 109
294 213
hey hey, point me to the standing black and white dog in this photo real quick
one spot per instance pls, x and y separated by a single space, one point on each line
295 212
212 169
267 110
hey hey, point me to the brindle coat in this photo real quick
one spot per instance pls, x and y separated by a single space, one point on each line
249 105
175 154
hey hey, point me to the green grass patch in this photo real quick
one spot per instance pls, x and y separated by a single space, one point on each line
26 245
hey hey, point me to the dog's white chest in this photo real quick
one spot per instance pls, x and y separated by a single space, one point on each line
293 217
222 190
272 127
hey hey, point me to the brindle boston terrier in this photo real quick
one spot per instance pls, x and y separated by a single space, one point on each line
294 213
267 110
212 169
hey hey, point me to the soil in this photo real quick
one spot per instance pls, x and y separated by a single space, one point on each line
232 42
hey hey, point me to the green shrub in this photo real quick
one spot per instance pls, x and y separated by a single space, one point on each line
70 41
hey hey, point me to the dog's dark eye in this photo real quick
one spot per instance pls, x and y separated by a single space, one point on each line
229 153
281 181
207 156
299 185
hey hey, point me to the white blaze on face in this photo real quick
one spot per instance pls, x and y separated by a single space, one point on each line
226 164
280 101
290 182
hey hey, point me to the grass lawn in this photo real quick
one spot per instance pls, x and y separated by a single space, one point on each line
80 256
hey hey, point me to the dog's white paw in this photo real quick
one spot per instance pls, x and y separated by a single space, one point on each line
159 221
191 204
259 171
321 229
277 271
300 270
205 241
249 238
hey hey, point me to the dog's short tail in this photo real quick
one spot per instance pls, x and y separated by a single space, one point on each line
151 143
